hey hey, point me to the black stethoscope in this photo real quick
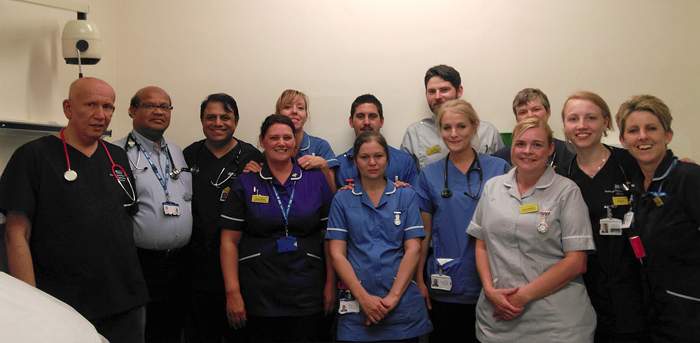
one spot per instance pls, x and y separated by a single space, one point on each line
229 175
131 142
447 193
118 171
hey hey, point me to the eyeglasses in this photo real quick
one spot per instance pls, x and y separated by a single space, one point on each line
151 107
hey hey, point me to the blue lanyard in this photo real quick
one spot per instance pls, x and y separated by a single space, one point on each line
285 212
161 178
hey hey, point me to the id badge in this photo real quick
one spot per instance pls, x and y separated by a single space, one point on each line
348 306
627 222
224 193
260 199
610 227
171 209
286 244
441 282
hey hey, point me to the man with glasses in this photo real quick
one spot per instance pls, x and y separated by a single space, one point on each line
216 162
163 224
68 199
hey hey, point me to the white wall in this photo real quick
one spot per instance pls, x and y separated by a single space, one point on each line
336 50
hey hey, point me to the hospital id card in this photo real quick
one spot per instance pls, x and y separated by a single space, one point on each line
171 209
286 244
620 200
610 227
441 282
348 306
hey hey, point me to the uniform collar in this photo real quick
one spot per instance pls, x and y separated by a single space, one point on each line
148 144
665 167
544 182
389 189
266 174
305 142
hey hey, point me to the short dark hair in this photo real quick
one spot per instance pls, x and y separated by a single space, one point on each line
368 136
273 119
366 99
228 101
444 72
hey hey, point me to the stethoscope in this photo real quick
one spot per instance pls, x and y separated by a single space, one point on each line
475 166
131 142
118 172
229 175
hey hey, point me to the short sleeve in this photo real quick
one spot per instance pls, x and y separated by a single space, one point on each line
17 191
233 213
413 227
325 151
337 223
474 229
422 188
576 232
410 170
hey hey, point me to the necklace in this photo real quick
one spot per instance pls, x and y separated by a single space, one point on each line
593 171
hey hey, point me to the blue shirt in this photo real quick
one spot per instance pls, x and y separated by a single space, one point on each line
400 165
315 146
274 283
450 219
375 247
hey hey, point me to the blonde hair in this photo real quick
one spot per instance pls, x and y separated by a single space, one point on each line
287 97
647 103
596 100
458 106
531 123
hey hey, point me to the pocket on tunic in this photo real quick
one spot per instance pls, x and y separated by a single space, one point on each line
460 271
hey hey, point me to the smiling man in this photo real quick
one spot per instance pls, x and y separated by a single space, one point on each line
366 114
216 162
422 139
163 224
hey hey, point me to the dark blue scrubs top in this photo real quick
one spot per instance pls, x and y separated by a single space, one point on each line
401 165
273 283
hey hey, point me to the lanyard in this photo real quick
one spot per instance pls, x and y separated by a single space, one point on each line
285 212
161 178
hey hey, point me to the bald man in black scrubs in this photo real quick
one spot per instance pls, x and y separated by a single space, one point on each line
68 200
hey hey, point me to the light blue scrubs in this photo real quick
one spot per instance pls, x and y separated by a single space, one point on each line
311 145
401 165
450 218
375 247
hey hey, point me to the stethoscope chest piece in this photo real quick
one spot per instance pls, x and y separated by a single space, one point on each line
446 193
70 175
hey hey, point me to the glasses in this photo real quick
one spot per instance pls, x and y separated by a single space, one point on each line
151 107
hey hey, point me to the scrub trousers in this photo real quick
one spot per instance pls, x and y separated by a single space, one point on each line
453 322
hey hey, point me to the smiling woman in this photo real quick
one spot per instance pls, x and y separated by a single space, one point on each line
666 219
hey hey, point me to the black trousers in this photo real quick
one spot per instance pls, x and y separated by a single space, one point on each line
287 329
453 322
165 312
125 327
208 322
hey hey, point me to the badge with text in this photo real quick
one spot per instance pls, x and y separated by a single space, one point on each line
620 200
287 244
433 150
529 208
348 303
610 227
260 199
441 282
171 209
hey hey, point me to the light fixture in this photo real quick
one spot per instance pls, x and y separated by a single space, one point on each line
82 43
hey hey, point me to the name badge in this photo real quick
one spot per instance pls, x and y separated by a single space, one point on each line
260 199
433 150
348 306
529 208
224 193
658 201
441 282
627 221
620 201
171 209
610 227
286 244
